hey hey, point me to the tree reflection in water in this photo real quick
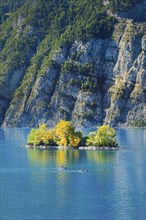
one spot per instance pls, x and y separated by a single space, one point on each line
44 157
101 157
66 157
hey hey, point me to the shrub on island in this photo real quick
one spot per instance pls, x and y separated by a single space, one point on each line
64 135
42 136
105 136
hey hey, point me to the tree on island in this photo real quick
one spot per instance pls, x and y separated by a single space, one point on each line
105 136
64 134
42 136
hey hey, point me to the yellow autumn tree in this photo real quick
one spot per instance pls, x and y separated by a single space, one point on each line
66 134
63 134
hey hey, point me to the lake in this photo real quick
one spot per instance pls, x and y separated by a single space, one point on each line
33 188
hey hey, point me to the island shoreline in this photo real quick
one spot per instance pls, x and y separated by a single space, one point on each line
92 148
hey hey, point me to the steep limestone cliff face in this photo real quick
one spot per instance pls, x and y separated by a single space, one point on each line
128 94
90 83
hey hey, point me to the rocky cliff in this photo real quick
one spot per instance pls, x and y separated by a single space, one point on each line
90 82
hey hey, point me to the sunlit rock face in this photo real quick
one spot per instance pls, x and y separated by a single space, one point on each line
91 83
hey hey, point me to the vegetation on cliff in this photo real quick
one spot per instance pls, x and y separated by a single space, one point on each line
124 5
27 24
49 48
7 7
30 33
57 22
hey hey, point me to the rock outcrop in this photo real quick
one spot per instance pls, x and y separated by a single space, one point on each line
91 83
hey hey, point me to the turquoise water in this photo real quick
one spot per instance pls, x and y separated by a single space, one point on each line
32 186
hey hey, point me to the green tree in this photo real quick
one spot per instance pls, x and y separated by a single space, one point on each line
105 136
42 136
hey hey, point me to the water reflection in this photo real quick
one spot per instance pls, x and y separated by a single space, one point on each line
115 181
66 157
44 157
101 157
39 156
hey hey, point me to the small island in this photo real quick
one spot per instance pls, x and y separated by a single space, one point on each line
64 136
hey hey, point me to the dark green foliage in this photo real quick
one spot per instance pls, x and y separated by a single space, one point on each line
9 6
60 21
138 123
76 67
118 5
49 24
89 85
84 140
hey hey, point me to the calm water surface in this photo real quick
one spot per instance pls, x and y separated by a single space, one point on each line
32 186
